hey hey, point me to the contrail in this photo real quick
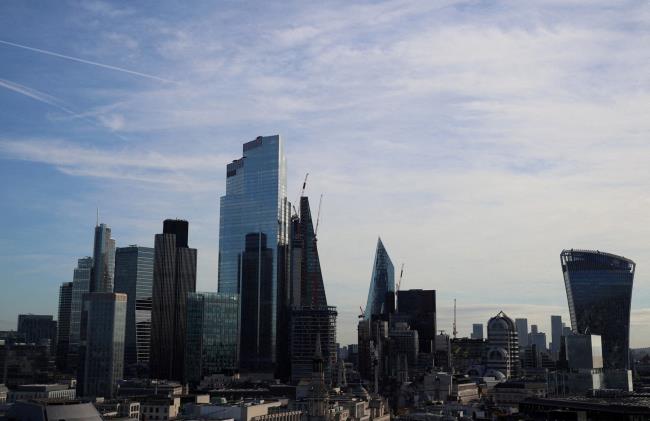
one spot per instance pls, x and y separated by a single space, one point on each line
92 63
49 100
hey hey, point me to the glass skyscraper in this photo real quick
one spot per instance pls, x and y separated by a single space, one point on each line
599 292
212 334
255 207
418 307
63 326
381 283
134 277
103 272
80 286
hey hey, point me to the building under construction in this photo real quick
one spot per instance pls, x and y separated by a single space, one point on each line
310 317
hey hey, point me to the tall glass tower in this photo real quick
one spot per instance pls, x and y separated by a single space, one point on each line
80 286
103 260
134 277
381 283
599 292
255 206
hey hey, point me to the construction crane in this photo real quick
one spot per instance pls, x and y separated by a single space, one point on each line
301 194
401 274
320 202
361 314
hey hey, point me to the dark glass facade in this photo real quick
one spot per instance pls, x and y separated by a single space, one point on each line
103 272
212 335
599 292
420 308
80 286
134 277
255 203
63 326
103 344
174 276
382 282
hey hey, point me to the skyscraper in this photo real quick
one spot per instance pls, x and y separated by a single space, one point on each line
254 233
599 292
63 326
420 308
212 334
537 338
174 276
522 331
103 344
382 282
310 317
556 334
80 286
134 277
103 260
502 345
477 331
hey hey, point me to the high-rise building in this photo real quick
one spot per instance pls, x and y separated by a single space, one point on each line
212 334
599 292
502 346
134 277
522 331
63 326
80 286
537 338
255 209
382 282
103 272
477 331
420 308
556 334
103 344
310 315
38 329
174 276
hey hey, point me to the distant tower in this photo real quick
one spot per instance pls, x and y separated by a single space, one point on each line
63 332
80 286
522 331
477 331
174 276
503 347
599 292
318 397
382 282
103 260
556 334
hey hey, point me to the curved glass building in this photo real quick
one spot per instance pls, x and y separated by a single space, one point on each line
599 291
381 283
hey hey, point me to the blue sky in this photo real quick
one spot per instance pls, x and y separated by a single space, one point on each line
478 139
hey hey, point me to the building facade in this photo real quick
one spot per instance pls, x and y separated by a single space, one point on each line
211 344
134 277
556 334
38 328
419 306
174 276
255 207
477 331
103 344
63 326
80 286
103 272
599 292
522 331
382 282
502 346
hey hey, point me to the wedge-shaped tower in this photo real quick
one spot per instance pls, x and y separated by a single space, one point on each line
381 283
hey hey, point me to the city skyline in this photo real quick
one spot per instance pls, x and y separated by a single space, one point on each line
476 180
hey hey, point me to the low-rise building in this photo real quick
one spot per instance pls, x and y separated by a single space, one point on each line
42 391
511 392
47 410
118 408
160 408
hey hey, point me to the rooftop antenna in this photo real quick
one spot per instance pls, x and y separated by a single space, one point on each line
455 332
97 219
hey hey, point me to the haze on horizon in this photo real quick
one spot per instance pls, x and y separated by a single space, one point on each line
478 139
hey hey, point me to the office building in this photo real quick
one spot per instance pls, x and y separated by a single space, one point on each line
22 363
103 272
38 329
53 410
102 344
310 315
477 331
134 277
174 276
255 208
502 346
556 334
537 338
80 286
466 353
212 335
599 292
63 326
419 307
382 283
522 331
